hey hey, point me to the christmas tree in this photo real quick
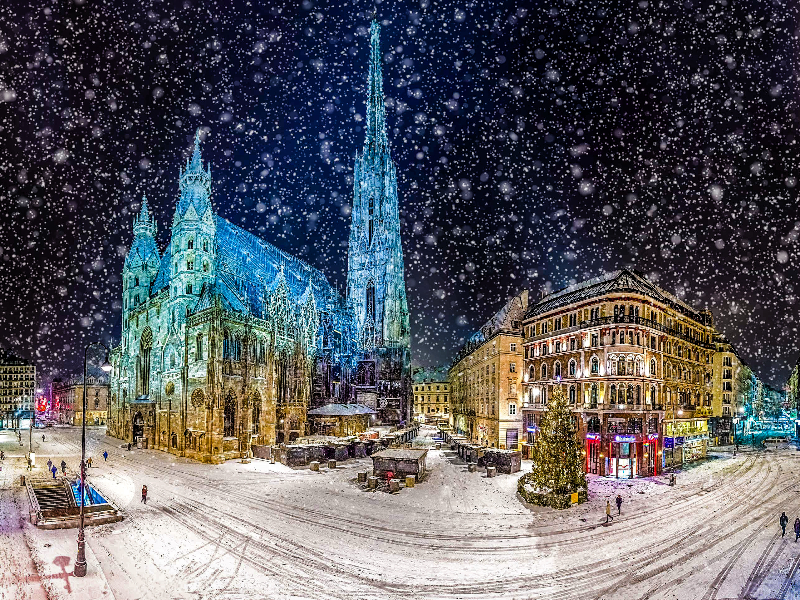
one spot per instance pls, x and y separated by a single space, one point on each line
557 464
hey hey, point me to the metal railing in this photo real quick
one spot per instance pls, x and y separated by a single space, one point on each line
625 320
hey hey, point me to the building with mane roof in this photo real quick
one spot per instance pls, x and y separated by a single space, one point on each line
228 341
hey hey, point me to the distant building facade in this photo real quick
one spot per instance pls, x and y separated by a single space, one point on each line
68 399
732 388
635 364
17 390
228 341
431 394
486 380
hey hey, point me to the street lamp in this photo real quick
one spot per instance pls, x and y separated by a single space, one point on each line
31 422
80 562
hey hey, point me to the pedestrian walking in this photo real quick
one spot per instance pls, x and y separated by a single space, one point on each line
89 462
619 504
2 455
144 494
54 470
783 521
129 446
42 437
796 529
49 464
64 467
608 512
105 455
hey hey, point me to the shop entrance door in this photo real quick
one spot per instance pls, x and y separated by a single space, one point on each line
594 458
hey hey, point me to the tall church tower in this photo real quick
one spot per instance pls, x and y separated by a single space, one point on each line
141 264
192 246
376 289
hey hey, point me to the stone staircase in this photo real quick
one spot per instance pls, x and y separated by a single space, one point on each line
56 505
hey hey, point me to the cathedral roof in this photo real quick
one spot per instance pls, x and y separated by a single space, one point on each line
250 266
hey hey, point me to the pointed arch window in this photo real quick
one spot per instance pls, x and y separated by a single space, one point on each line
371 219
229 416
370 300
652 367
595 365
613 394
190 244
572 394
199 347
556 370
135 281
189 288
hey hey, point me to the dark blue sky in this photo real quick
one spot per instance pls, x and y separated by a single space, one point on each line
536 144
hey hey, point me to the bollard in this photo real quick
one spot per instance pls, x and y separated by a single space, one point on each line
410 481
314 465
331 464
491 471
372 482
362 476
472 467
394 485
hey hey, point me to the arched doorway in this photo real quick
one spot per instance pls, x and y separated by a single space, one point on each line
138 426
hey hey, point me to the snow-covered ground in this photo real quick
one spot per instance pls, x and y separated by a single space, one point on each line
260 531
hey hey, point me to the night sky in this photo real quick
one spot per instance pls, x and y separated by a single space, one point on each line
536 144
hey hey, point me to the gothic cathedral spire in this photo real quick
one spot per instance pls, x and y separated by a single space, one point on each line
375 141
376 289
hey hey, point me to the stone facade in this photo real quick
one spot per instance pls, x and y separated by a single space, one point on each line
17 390
431 395
68 399
486 380
629 355
228 341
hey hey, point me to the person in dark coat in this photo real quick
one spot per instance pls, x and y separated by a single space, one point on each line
54 470
784 520
64 467
144 494
619 504
105 455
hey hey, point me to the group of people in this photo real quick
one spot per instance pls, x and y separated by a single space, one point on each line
784 521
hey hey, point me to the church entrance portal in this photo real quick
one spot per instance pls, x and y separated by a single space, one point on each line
138 426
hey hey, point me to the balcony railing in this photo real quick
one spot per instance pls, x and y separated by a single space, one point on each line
624 320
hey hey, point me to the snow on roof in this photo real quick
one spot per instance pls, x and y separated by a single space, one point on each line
623 280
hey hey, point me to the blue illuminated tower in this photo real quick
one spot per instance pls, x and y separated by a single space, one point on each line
192 246
141 264
376 289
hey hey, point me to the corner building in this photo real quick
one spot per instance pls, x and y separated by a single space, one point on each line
486 380
227 341
630 357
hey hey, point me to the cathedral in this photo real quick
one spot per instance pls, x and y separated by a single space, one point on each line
227 341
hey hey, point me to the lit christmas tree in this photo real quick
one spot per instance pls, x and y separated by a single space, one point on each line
557 465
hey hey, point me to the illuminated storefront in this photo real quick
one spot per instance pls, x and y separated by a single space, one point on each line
685 440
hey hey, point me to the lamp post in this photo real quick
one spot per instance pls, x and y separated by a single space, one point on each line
31 423
674 430
80 562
